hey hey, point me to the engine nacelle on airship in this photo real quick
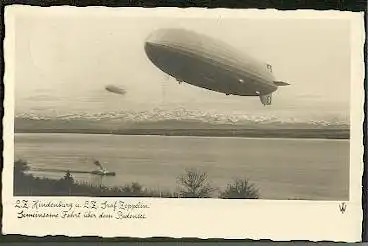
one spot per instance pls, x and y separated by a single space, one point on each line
208 63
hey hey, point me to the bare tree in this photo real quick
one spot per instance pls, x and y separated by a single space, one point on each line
241 189
194 184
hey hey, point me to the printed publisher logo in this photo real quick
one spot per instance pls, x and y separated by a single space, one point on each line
342 207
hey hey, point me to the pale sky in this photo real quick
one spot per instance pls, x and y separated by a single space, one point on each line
63 63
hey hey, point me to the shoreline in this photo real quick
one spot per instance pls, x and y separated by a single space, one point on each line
332 134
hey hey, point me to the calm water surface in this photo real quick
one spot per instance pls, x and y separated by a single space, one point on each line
281 168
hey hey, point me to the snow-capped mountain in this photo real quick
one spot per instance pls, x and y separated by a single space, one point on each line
184 115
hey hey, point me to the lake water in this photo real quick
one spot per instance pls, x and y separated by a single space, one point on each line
312 169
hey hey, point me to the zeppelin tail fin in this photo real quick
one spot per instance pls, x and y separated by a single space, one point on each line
281 83
266 99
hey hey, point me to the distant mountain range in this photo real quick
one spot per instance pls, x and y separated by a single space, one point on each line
174 122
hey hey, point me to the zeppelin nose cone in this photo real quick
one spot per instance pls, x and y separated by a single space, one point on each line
152 45
156 37
157 43
150 42
150 49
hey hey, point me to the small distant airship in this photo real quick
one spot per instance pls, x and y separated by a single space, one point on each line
205 62
115 89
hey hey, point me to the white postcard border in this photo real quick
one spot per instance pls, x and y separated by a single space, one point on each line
202 218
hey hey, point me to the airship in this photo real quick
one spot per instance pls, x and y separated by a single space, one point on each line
205 62
115 89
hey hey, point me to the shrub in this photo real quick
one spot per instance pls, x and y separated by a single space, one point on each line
21 181
241 189
194 184
68 177
133 189
20 167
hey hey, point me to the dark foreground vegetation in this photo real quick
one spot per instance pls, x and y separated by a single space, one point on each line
192 183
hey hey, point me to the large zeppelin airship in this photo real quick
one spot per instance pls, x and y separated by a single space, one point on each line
205 62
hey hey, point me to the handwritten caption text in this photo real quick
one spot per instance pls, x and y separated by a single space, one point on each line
89 209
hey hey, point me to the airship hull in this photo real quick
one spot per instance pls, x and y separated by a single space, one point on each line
206 73
204 62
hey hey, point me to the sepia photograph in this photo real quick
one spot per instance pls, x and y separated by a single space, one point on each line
196 108
181 106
